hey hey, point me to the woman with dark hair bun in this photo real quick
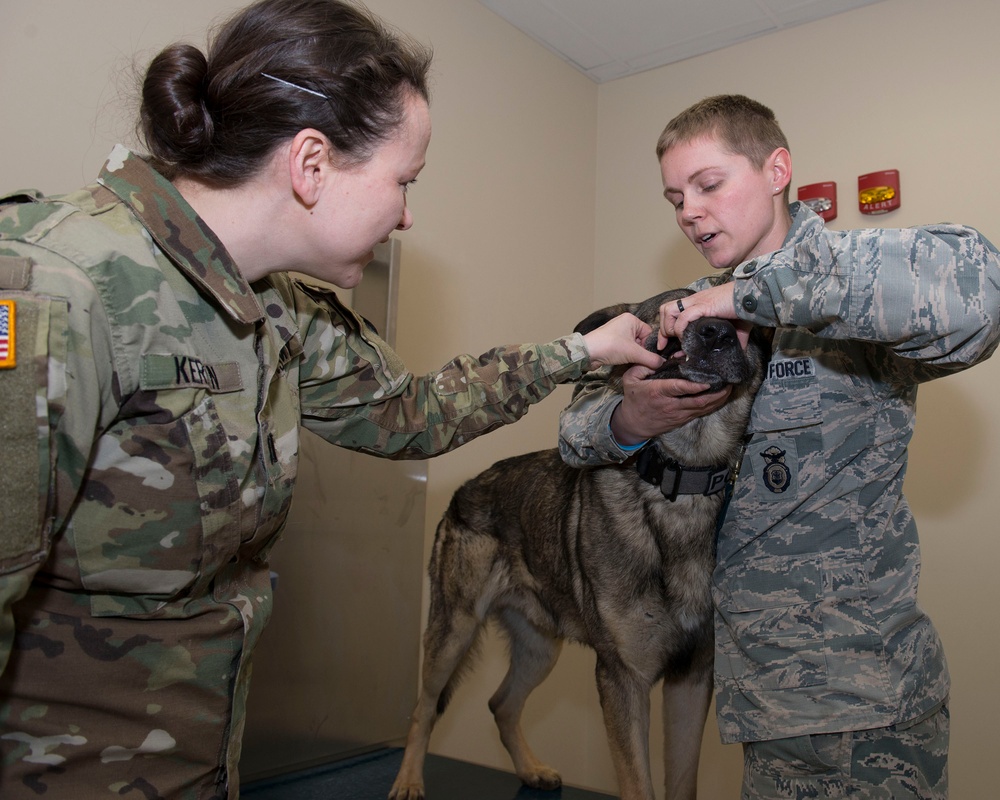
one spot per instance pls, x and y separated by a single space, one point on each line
276 69
164 361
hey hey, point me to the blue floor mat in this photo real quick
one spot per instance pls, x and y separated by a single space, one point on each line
370 776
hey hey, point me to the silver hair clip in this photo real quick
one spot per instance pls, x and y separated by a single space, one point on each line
294 86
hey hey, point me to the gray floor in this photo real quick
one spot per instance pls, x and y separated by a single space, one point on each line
369 777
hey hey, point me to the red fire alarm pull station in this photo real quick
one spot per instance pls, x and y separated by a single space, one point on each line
821 198
878 192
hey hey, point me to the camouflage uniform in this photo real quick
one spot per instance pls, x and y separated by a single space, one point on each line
909 760
817 626
153 418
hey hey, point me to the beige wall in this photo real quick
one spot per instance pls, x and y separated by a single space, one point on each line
541 199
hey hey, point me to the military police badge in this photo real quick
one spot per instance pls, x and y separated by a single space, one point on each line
776 475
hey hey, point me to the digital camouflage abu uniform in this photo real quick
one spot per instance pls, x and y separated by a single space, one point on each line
152 416
817 626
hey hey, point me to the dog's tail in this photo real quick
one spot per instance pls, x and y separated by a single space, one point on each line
457 613
463 668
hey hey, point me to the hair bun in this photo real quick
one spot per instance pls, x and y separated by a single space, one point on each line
175 121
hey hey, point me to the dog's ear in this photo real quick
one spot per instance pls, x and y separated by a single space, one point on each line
598 318
648 310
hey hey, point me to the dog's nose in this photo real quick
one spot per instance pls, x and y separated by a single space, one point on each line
716 334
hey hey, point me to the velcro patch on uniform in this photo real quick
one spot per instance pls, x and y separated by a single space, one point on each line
177 371
15 272
20 532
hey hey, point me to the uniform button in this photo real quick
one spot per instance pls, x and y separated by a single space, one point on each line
750 268
750 303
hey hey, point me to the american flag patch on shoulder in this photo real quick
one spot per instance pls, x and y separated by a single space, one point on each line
8 328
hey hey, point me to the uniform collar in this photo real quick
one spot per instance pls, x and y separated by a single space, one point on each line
179 232
805 223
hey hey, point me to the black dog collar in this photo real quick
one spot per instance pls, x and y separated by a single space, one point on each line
674 478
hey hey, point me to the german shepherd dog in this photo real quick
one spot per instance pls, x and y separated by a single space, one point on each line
616 557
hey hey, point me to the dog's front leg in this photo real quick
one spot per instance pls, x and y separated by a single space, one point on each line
685 708
625 702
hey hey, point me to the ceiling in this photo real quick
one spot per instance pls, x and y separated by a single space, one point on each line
607 39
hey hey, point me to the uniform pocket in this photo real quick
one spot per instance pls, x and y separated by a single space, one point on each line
163 505
785 428
789 398
773 609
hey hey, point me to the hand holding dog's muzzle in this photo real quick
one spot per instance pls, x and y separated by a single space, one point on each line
676 315
652 407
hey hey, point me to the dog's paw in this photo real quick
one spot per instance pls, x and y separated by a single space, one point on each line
542 777
406 791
